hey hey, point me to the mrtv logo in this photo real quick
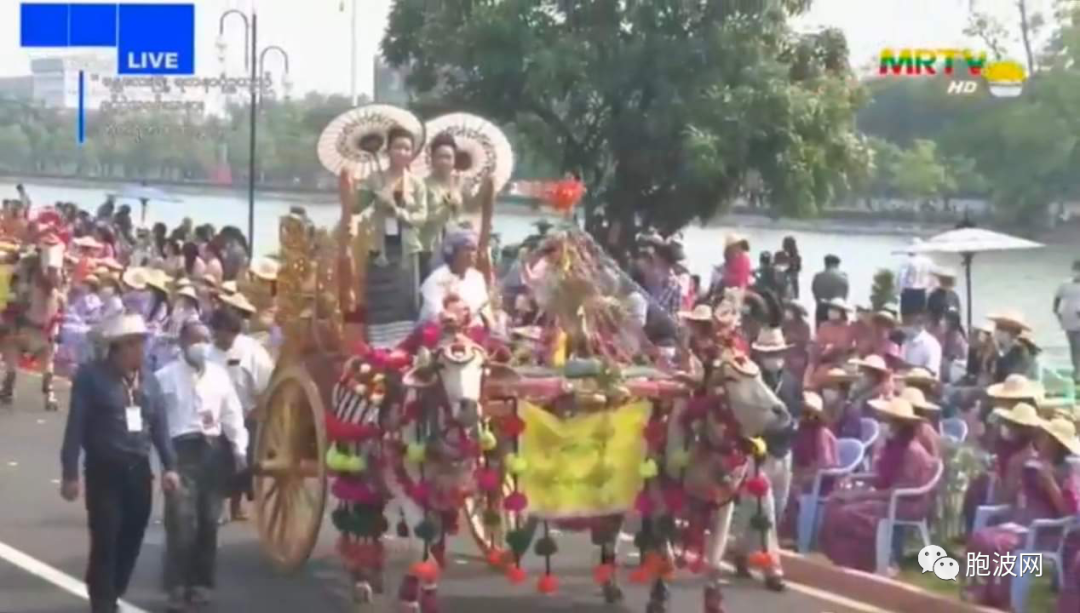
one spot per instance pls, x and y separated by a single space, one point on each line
1005 79
150 39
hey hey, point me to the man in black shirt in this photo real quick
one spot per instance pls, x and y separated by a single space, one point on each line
115 416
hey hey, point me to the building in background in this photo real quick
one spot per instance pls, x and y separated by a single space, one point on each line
16 88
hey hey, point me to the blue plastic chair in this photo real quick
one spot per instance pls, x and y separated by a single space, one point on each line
888 524
869 431
849 456
955 429
1021 585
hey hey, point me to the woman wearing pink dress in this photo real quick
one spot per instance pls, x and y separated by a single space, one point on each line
1050 489
813 449
1011 441
851 516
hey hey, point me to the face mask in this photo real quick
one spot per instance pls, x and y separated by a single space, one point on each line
1007 433
789 316
830 396
781 269
887 431
772 364
1003 339
106 293
835 315
196 354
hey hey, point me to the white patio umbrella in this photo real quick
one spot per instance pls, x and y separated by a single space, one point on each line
966 242
144 194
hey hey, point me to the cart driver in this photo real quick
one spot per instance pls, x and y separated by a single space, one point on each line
458 278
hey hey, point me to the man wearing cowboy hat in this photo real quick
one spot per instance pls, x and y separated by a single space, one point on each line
37 317
115 416
1013 357
1067 309
206 424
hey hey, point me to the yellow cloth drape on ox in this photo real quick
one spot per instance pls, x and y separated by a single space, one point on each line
582 466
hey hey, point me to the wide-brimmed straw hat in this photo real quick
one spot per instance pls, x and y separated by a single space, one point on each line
1026 338
734 238
1014 320
135 278
1021 414
209 280
86 242
838 303
701 312
123 326
238 301
837 376
918 400
944 273
265 269
986 326
812 403
886 314
1063 431
919 376
188 292
872 362
770 340
896 408
229 288
1016 387
157 279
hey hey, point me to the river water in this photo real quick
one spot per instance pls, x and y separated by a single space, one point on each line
1017 280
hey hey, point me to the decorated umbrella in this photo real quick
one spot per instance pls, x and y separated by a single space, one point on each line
144 194
966 242
483 150
357 140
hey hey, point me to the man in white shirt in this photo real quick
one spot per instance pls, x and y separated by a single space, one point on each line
250 367
206 423
915 279
920 349
1067 309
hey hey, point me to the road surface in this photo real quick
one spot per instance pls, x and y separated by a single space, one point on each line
43 544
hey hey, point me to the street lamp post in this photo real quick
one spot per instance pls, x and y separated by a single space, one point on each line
352 54
253 60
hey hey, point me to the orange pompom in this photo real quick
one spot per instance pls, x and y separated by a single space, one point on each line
653 562
641 576
516 575
603 573
548 584
426 572
761 560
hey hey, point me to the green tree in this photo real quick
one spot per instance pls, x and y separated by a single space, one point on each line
664 108
14 147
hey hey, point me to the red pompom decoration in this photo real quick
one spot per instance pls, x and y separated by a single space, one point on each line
426 572
644 504
674 499
516 502
512 425
430 335
496 557
603 573
757 486
640 576
761 560
516 575
487 479
564 195
548 584
398 360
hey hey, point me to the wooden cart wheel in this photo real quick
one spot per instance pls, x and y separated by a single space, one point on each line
289 472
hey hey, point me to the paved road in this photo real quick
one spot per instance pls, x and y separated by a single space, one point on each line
38 528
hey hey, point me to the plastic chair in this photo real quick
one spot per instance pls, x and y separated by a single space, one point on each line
955 429
1021 584
849 457
887 525
869 431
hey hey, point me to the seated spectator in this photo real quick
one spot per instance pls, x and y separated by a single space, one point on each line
1010 443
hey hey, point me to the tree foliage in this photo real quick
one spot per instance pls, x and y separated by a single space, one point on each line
665 108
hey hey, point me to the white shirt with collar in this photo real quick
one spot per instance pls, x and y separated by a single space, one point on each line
471 288
923 351
249 366
203 403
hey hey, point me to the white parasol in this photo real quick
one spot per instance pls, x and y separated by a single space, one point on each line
966 242
144 194
483 150
356 139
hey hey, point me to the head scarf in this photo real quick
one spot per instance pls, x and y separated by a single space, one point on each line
458 239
